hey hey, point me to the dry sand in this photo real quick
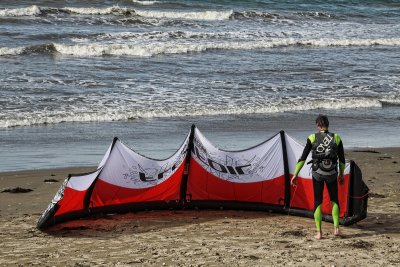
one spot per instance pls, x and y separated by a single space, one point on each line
199 238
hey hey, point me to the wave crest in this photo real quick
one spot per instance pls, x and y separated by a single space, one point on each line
34 49
145 3
21 12
193 15
255 15
7 51
200 15
117 11
176 47
129 114
145 50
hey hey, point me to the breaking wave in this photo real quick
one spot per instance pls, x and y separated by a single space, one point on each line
145 3
255 14
203 15
96 11
157 48
20 12
40 11
390 101
123 11
179 35
34 49
6 51
116 11
160 112
317 15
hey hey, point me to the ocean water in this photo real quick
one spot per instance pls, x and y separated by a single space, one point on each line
73 75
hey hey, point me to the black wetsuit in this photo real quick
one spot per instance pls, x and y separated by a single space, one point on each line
318 179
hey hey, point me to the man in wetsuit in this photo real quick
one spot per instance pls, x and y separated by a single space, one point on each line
326 149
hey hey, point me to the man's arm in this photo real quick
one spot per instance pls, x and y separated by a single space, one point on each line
304 155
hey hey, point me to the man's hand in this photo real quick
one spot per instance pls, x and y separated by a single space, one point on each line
293 182
341 179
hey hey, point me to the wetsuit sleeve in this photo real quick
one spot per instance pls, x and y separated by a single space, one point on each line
342 161
304 155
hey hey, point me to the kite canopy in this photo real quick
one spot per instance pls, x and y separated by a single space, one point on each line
199 175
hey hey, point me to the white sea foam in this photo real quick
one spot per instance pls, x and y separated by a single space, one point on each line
102 50
112 114
391 100
205 15
178 48
94 11
145 3
195 15
353 42
20 12
7 51
154 36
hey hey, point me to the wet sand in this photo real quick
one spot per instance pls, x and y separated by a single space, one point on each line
198 237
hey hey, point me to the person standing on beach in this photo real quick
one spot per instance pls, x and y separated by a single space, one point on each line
327 149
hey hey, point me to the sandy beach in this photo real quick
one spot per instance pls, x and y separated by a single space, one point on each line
199 237
76 74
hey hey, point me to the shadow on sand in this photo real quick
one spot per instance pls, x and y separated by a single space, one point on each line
111 225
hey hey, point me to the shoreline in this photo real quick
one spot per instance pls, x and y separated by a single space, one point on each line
200 237
70 144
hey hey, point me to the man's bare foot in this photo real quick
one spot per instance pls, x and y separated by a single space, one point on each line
336 232
318 236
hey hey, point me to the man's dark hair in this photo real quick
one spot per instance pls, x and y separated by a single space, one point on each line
322 121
